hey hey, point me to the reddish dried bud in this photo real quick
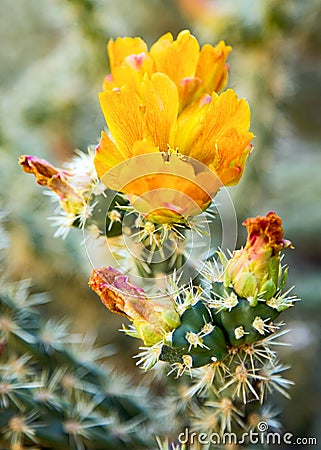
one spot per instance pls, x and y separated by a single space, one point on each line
41 168
113 289
266 232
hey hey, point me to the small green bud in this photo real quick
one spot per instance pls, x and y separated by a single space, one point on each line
274 269
147 333
267 290
171 317
227 279
283 278
253 300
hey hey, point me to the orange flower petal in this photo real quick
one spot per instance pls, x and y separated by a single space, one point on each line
160 98
152 172
177 59
155 184
190 124
189 88
115 104
212 68
107 156
164 101
233 149
122 47
225 112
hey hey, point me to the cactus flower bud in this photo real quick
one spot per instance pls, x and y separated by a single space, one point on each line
57 180
152 318
255 269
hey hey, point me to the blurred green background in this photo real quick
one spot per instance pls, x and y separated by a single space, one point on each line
53 60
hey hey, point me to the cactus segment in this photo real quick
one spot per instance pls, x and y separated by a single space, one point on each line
198 337
238 323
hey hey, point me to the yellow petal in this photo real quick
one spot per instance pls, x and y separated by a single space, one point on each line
122 111
122 47
228 111
190 125
125 76
225 112
107 156
108 82
143 147
121 171
212 67
164 189
189 89
131 72
232 151
160 98
177 59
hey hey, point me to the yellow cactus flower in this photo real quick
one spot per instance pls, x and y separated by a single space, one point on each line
188 144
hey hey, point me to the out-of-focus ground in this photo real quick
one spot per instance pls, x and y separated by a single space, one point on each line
53 59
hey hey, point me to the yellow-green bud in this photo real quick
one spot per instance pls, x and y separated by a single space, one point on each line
246 285
267 290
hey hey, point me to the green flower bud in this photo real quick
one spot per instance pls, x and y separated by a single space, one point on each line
255 269
171 318
247 284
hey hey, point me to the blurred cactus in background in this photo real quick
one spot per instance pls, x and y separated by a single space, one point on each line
56 389
53 63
